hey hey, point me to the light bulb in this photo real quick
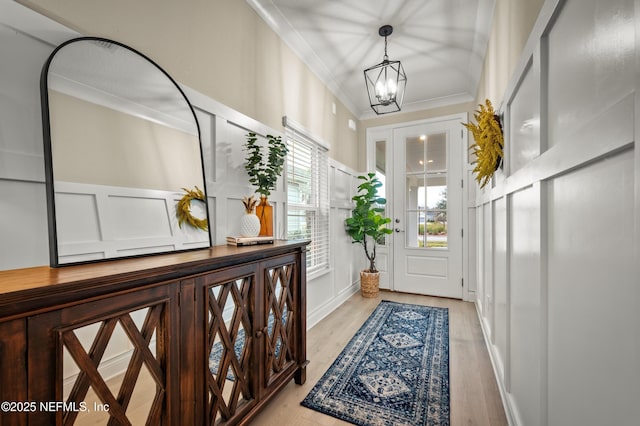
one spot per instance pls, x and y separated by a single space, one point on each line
391 88
381 90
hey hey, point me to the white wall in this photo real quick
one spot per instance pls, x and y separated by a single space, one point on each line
557 238
26 40
23 207
223 133
224 50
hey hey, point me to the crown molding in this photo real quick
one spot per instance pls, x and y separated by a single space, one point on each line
283 28
444 101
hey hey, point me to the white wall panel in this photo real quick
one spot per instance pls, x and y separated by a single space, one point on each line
21 148
78 217
525 306
342 185
524 122
104 221
591 57
341 244
23 209
328 291
590 279
572 243
472 234
480 276
320 295
139 217
24 237
500 291
488 267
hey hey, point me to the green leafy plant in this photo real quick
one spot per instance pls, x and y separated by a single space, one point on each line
366 225
264 172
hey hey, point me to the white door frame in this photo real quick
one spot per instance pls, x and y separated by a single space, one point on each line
385 253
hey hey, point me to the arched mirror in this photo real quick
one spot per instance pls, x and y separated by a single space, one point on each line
122 154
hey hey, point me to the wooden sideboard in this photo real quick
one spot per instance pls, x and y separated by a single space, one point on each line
213 335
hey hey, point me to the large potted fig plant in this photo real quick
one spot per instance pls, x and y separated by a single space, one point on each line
367 226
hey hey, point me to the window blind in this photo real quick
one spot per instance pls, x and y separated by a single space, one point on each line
308 195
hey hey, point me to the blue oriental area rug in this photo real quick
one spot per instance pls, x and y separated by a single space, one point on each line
394 371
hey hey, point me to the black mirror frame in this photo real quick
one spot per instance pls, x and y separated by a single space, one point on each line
48 157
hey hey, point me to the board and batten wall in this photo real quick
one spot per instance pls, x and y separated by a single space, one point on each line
26 40
558 228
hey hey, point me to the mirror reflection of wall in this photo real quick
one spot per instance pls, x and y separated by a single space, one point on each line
123 144
111 145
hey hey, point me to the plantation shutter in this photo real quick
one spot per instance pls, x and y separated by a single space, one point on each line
308 194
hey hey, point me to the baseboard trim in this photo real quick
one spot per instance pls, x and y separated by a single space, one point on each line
325 309
504 396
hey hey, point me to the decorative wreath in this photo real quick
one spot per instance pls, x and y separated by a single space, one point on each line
489 142
183 209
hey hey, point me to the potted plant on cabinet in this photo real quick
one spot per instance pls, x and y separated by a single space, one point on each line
264 173
368 227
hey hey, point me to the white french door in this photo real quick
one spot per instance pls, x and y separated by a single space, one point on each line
426 208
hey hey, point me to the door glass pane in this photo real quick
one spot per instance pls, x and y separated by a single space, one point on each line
415 154
415 194
415 199
381 172
436 152
436 202
426 191
381 164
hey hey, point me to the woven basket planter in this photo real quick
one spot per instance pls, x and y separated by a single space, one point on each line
369 284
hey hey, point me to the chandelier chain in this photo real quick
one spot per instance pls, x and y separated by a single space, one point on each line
386 58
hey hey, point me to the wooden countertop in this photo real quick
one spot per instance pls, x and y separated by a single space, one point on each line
30 289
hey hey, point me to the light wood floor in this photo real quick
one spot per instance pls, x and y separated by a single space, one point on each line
475 399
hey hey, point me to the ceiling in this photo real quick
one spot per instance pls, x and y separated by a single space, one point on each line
441 44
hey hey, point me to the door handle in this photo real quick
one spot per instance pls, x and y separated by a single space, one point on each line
399 230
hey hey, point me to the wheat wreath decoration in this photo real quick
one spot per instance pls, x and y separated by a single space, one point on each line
489 142
183 209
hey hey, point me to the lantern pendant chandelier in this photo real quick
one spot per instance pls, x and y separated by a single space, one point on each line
386 81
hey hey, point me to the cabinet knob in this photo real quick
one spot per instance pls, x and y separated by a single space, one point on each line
260 333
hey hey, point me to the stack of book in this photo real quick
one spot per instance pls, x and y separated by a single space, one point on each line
248 241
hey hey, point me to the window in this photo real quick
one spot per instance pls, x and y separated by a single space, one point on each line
308 195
